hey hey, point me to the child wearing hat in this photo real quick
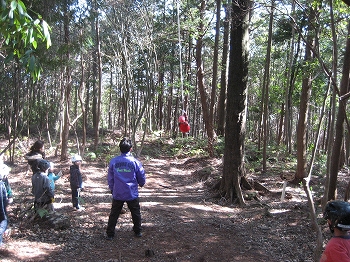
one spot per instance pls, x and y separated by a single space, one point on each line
41 188
76 181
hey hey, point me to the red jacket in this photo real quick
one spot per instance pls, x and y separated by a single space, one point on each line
337 250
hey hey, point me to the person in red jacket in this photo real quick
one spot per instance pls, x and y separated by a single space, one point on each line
337 214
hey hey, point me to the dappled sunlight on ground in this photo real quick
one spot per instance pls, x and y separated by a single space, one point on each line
181 221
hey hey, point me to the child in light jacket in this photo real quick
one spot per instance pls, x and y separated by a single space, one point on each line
52 176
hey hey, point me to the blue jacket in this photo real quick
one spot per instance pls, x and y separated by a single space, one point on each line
125 174
52 178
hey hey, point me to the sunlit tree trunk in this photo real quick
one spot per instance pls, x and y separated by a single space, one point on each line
305 95
208 119
99 89
339 128
331 115
67 88
223 80
266 82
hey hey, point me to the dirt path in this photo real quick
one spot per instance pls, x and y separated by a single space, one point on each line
180 223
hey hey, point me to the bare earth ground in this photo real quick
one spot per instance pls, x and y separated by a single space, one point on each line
180 219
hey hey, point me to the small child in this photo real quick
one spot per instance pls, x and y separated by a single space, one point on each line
76 182
4 170
51 175
41 189
337 214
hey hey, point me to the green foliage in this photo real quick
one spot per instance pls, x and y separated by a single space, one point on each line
22 34
42 212
283 31
90 156
220 146
81 200
189 147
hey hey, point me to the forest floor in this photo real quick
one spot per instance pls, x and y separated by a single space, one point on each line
181 219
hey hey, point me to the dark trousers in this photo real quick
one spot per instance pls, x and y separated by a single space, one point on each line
117 205
75 197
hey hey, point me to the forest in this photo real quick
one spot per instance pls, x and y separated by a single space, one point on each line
255 79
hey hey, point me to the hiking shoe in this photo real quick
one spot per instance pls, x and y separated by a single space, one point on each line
78 208
139 234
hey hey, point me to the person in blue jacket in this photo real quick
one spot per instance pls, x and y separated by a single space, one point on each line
52 176
125 175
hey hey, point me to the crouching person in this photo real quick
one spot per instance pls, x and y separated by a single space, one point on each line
41 187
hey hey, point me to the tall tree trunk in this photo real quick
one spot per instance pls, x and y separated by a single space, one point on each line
339 128
160 104
301 171
208 119
266 82
215 61
332 110
82 103
236 108
99 90
290 71
223 81
67 88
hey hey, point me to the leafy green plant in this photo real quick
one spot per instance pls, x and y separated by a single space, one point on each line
42 212
22 34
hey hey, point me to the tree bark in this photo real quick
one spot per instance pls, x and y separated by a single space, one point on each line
236 108
67 89
301 171
99 89
223 81
208 119
265 99
339 128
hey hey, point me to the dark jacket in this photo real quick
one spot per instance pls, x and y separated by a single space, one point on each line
75 177
33 158
3 201
41 188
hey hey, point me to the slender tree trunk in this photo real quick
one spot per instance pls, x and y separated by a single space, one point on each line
305 95
223 81
215 62
208 120
332 110
160 104
99 90
82 103
266 87
339 128
67 90
289 87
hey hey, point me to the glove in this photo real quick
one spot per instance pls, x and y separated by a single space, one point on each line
10 200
